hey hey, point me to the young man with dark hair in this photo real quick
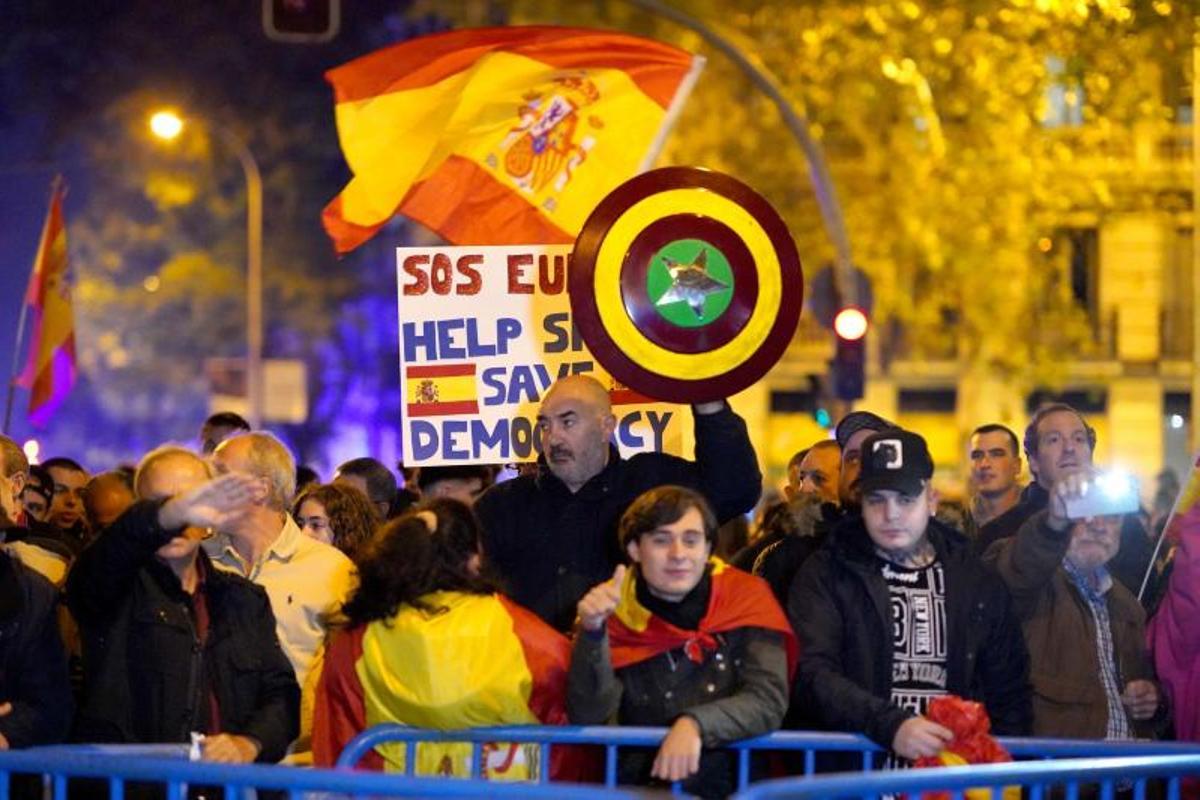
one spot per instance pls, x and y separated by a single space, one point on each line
995 467
896 609
66 507
680 639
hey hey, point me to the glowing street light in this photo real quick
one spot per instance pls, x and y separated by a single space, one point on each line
167 125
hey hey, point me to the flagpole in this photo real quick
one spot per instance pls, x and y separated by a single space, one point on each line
20 339
673 111
12 378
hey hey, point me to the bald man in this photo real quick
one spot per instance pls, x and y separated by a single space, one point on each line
105 497
552 534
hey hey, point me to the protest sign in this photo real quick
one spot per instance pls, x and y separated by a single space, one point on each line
484 333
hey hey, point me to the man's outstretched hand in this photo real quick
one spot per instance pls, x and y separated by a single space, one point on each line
211 504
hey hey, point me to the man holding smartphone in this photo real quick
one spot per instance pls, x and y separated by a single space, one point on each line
1059 440
1085 632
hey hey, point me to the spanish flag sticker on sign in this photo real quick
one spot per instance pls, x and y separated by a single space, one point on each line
443 389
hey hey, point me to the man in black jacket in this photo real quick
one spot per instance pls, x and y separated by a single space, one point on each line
552 535
895 609
171 645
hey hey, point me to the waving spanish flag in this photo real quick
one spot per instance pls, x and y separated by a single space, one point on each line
49 372
737 600
500 135
482 661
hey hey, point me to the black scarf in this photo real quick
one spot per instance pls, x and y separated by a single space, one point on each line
684 614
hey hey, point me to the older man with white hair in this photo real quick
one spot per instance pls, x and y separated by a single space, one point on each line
306 580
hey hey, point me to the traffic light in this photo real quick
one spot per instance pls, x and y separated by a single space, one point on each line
847 371
301 20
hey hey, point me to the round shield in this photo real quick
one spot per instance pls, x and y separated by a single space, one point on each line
685 284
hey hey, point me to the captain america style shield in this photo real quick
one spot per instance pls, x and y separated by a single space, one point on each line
685 284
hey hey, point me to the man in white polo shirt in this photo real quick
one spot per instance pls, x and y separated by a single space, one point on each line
304 578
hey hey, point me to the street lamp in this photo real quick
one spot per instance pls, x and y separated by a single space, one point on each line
167 125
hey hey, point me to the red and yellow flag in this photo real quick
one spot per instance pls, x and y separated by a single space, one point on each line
737 600
50 369
500 135
483 661
440 389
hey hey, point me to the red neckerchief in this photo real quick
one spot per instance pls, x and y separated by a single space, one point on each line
737 600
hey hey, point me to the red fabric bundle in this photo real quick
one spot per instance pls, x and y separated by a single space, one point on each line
972 742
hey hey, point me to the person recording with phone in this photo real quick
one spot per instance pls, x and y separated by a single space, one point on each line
1086 632
1059 440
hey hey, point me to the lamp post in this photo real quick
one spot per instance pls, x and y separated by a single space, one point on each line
167 125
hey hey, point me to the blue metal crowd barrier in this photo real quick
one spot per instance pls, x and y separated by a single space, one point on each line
166 765
1034 779
58 765
807 743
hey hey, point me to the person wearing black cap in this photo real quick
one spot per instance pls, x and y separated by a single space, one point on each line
779 561
850 433
896 609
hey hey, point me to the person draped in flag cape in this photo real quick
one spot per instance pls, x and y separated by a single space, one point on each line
684 640
430 642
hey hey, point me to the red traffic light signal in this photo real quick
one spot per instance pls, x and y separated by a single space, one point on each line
850 323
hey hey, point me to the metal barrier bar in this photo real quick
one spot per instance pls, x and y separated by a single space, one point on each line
1072 772
174 773
814 741
807 742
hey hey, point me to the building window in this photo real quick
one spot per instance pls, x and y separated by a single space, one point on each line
1064 94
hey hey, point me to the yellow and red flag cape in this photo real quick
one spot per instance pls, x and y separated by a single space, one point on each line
482 661
500 135
738 600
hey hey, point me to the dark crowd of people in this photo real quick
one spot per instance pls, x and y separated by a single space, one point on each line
228 593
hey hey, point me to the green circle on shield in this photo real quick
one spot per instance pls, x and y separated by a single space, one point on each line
690 283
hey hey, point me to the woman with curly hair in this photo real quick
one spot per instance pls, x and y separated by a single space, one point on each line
336 514
428 641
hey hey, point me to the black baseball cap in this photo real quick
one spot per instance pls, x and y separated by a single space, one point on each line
895 460
856 421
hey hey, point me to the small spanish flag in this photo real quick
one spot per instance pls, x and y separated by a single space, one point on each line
500 135
483 660
441 389
738 600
